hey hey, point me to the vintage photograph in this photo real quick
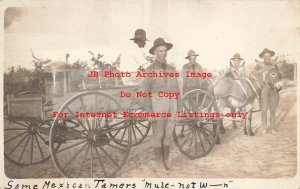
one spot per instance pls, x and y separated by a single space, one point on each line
151 89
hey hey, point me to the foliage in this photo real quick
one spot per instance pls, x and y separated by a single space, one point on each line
287 69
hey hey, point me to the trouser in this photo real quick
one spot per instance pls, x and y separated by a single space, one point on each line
269 100
163 127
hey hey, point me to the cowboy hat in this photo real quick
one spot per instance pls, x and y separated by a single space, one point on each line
236 56
266 51
159 42
191 53
139 34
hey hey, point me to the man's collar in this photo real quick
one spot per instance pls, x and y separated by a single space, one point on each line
159 62
192 63
268 63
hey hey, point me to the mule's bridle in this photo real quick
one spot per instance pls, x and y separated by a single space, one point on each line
264 72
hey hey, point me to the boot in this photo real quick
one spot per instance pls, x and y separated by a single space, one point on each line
157 162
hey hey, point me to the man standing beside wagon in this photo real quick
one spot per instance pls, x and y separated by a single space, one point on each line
162 127
190 83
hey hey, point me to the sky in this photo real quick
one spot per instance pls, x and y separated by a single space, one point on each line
214 29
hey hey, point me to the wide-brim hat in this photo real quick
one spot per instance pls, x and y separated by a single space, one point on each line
160 42
237 56
139 34
191 53
266 51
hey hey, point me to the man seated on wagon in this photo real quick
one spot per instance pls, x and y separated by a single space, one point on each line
192 66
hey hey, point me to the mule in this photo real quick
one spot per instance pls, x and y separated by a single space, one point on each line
264 85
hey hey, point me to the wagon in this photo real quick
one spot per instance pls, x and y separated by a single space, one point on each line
84 144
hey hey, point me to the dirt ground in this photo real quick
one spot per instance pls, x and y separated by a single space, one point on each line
238 156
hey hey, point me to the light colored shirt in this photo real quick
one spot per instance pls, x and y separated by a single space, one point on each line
133 58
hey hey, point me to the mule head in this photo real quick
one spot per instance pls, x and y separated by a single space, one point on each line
273 78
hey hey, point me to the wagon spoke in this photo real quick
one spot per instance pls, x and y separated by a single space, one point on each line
123 134
209 105
187 131
39 146
191 141
204 128
197 99
100 162
203 100
38 134
15 137
21 124
184 105
190 108
14 129
116 124
18 144
79 123
31 155
114 162
95 109
84 110
183 142
143 125
91 160
205 136
199 135
75 156
138 129
196 144
82 163
118 148
24 148
71 146
134 135
116 133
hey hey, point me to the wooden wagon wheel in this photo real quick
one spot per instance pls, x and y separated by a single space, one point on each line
83 147
25 140
195 137
139 130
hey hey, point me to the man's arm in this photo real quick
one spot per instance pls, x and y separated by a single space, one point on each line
147 85
244 73
184 80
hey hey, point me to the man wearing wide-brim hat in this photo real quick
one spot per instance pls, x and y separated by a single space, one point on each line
269 97
140 38
236 69
135 57
266 55
162 127
192 66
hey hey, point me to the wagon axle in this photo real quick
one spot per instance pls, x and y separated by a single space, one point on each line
97 139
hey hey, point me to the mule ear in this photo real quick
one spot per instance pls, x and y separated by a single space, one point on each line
243 64
275 60
276 67
257 61
231 65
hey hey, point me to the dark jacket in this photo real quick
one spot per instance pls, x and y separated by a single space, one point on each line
191 83
157 84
